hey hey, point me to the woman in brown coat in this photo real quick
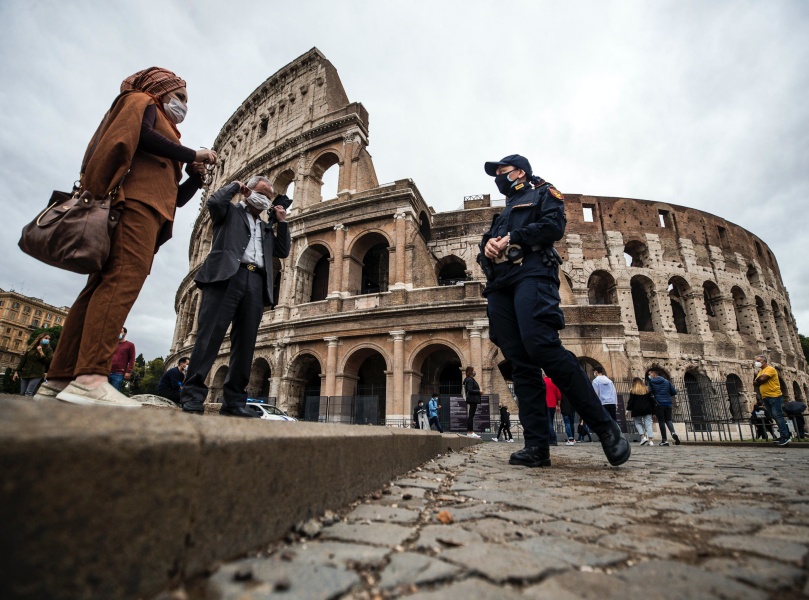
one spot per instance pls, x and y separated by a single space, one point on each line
34 364
137 148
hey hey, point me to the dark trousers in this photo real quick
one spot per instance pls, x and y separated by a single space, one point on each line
524 320
240 302
173 395
470 419
762 428
551 428
434 421
663 414
505 429
612 411
90 334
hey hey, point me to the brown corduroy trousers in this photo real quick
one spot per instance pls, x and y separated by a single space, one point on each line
90 333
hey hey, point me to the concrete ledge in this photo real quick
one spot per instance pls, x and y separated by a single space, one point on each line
110 503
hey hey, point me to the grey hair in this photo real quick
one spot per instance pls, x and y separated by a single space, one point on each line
256 179
764 356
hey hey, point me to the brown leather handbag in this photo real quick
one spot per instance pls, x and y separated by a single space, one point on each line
74 232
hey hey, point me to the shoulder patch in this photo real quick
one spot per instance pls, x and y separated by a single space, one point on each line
556 193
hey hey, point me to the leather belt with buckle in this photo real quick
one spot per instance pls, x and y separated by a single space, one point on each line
250 267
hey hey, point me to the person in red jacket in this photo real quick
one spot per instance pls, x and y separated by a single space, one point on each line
552 398
123 361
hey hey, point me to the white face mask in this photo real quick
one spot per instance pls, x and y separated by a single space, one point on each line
259 201
757 365
176 110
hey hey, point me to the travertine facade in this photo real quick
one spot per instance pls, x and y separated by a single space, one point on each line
381 295
19 315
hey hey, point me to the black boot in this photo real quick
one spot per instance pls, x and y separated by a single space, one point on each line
531 456
237 411
615 446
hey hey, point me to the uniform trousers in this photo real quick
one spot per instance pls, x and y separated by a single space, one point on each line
90 334
524 319
237 303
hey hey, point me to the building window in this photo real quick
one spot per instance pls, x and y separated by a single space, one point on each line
664 217
588 211
2 302
35 323
723 238
58 319
262 127
38 313
15 305
19 334
16 344
47 316
26 310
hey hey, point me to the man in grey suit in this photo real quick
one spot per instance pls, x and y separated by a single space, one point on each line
237 283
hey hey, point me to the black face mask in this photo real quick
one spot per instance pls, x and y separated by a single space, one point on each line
505 185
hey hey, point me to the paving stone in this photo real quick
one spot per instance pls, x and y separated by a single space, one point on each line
499 531
378 512
519 516
558 551
498 562
380 534
599 517
333 554
477 589
793 533
764 546
445 536
416 569
569 529
646 546
574 585
676 581
761 572
418 483
461 512
273 579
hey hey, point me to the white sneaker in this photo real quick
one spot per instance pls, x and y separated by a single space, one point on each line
644 440
495 440
472 434
103 395
46 392
511 441
651 443
570 443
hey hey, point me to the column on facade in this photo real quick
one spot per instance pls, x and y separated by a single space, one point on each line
331 366
660 306
476 347
768 318
725 313
336 271
399 241
694 301
398 405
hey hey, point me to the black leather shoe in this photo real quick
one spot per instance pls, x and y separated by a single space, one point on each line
237 411
615 446
531 456
195 408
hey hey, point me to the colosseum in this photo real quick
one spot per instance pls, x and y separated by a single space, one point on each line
380 300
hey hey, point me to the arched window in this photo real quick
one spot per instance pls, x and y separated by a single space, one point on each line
642 294
452 273
312 274
375 270
588 364
740 308
320 280
780 325
753 277
636 254
712 298
601 288
762 319
424 226
796 392
733 384
323 186
681 311
285 183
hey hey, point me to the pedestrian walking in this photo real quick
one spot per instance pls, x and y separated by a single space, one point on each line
237 283
432 412
418 412
794 411
123 361
762 421
605 390
471 390
769 387
663 392
34 364
642 407
568 414
505 425
522 290
552 398
137 148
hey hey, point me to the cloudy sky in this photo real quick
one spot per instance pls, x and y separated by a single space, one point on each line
702 104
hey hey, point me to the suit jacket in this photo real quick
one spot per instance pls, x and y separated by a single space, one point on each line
231 233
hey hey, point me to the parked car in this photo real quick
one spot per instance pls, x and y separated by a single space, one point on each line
266 411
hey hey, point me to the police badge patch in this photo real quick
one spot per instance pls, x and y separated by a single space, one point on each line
556 193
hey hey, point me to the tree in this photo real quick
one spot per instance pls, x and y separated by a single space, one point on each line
804 346
54 332
146 376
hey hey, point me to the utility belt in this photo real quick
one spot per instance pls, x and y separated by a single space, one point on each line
516 253
251 267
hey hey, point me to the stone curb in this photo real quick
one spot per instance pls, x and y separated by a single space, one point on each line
113 503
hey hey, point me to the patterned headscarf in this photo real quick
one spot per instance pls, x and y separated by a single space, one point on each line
154 81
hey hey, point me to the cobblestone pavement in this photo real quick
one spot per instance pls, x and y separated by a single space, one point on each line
674 522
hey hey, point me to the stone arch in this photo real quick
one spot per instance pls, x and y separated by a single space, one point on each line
753 276
644 302
566 290
682 308
440 366
304 378
636 254
601 288
735 390
761 312
451 270
322 162
217 383
259 383
367 367
712 299
588 364
740 309
282 182
369 266
796 392
312 274
656 367
191 317
699 395
780 326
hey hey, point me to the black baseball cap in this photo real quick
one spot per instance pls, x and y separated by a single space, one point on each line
514 160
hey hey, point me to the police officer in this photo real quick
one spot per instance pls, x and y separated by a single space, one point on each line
522 271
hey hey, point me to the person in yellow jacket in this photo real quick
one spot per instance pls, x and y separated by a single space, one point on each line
769 387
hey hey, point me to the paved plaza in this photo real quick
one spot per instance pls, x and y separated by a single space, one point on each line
679 522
